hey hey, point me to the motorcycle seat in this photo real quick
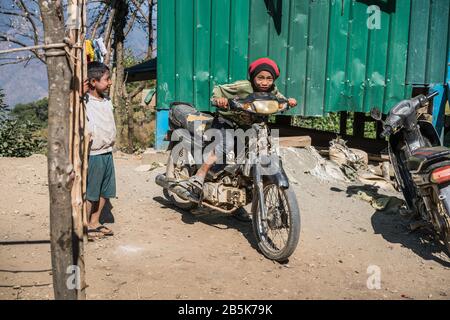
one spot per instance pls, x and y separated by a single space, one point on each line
427 154
184 115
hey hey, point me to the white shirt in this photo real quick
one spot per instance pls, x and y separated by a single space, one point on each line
101 124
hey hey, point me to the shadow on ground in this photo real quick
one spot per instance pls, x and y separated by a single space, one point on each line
216 220
106 216
394 227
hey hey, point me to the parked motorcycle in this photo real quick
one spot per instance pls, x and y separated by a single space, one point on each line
421 163
259 179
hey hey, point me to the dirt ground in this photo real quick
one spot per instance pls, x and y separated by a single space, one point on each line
159 252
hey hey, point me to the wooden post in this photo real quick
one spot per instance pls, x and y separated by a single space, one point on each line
343 123
358 124
60 170
379 127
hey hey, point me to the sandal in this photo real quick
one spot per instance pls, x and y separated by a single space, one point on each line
93 235
99 229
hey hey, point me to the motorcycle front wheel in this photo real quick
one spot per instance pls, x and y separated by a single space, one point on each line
278 230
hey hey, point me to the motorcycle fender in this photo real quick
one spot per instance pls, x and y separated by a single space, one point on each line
273 172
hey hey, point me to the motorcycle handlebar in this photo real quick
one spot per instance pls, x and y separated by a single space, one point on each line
230 104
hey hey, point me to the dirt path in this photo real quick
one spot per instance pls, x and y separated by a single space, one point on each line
159 252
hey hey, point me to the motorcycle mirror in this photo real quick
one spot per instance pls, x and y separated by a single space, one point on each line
375 113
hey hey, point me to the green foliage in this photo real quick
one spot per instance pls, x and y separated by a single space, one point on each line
331 122
22 130
36 112
18 139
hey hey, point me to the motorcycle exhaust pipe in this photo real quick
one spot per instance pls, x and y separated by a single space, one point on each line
178 190
162 181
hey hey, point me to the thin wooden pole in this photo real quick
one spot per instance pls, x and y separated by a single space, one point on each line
77 148
42 46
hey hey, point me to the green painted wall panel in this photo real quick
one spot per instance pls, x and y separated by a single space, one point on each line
166 54
184 53
295 71
220 41
418 39
202 53
356 68
397 56
239 39
428 41
258 31
437 50
317 55
376 65
337 55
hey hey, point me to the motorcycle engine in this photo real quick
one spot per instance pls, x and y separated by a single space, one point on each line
217 194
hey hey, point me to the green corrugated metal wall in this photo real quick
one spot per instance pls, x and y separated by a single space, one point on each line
427 61
329 59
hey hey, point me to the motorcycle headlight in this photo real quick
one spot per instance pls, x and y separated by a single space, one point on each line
265 107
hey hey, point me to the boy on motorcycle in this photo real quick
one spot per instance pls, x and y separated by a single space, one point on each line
262 74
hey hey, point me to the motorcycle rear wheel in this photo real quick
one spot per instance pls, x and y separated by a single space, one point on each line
278 235
444 217
446 235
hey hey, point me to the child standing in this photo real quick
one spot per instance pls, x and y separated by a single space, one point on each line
101 181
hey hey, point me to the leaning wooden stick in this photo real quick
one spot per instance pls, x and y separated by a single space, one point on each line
77 143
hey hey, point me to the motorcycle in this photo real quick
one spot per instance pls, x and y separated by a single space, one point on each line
421 164
259 178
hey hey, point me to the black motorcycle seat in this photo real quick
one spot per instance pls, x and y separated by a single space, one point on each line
184 115
426 154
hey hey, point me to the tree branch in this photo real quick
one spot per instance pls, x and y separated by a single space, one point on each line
130 23
18 60
138 7
98 20
5 37
33 25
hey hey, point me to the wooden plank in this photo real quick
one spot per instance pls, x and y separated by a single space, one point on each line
295 141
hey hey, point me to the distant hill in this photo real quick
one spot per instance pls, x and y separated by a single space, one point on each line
23 84
26 84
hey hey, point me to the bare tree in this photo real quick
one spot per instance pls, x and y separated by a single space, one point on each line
21 26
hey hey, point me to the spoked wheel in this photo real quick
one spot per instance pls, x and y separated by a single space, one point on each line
444 221
178 172
278 230
446 235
